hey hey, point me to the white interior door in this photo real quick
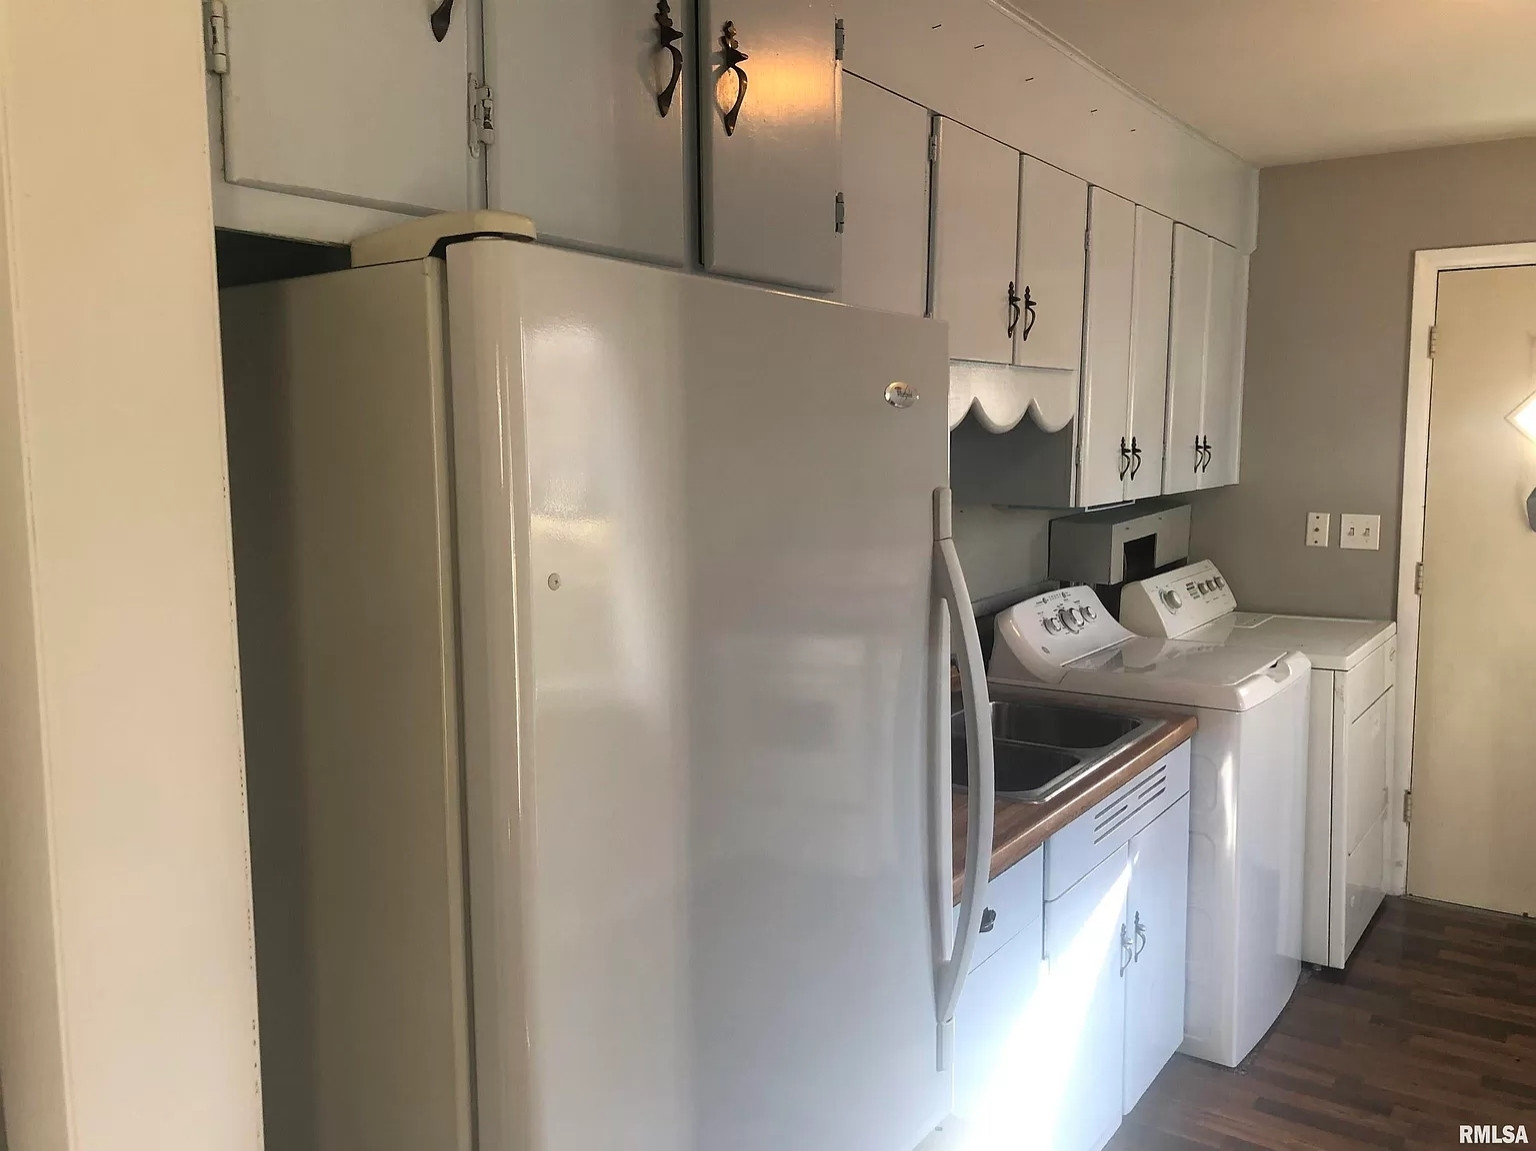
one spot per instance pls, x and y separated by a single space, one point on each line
768 147
1104 435
885 186
1149 352
1154 983
585 144
1188 326
1222 417
1474 727
1053 224
975 247
354 100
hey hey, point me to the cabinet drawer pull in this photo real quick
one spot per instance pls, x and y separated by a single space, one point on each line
1013 309
1135 458
1125 458
731 59
667 37
1206 448
1141 938
441 17
1029 315
1127 952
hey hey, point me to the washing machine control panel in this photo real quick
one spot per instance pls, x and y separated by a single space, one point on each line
1036 639
1176 602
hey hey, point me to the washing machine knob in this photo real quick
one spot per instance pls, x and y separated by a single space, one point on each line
1089 614
1173 599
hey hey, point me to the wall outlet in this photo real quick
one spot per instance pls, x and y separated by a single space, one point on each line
1360 533
1317 529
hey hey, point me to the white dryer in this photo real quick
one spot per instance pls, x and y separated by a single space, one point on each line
1350 746
1247 788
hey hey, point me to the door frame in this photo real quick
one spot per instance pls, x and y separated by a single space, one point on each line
1428 263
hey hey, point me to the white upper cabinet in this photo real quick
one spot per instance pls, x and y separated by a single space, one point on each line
591 107
1105 458
1149 353
975 220
1205 362
1053 222
351 100
770 105
1188 325
1222 418
885 187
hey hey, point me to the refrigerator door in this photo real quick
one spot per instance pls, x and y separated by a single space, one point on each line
695 537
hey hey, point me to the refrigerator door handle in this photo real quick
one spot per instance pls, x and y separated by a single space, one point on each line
949 587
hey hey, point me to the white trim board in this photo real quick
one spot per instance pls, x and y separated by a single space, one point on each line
1428 263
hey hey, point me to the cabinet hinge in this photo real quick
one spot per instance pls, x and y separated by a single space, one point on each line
840 216
217 37
1434 340
1408 806
933 144
1418 578
839 39
482 116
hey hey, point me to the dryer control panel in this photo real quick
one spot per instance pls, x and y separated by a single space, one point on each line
1036 639
1175 603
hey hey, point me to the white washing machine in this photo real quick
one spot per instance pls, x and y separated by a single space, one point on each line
1350 746
1247 788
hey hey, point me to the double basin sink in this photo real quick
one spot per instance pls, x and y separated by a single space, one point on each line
1040 749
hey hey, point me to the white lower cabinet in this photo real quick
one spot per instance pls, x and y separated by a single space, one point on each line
1154 982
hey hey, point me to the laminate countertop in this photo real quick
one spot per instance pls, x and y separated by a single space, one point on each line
1019 828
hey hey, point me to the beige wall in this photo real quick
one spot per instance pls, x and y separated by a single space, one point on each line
127 988
1327 360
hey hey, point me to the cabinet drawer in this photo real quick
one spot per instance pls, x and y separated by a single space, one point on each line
1097 834
1363 685
1016 899
1365 769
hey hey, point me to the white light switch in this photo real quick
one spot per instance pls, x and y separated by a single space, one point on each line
1360 533
1317 529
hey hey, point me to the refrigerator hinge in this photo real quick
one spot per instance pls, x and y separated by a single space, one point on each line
482 116
840 214
1434 340
216 37
1408 806
839 39
1418 578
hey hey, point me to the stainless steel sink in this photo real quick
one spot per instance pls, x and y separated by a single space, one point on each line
1039 749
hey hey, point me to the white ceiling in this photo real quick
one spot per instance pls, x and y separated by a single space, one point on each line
1278 81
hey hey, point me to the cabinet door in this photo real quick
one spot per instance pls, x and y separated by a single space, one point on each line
1186 358
769 177
1103 431
1154 983
885 184
582 144
1053 221
1221 424
351 100
1149 352
1085 1024
976 220
998 1031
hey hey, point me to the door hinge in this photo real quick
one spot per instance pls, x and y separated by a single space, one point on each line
933 144
217 33
839 39
1418 578
482 116
1408 806
1434 340
841 214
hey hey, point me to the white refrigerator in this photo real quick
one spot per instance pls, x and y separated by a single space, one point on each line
595 659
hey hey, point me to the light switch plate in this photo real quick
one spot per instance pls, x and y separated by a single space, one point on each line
1318 524
1360 533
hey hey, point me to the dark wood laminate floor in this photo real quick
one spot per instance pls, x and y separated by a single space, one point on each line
1432 1026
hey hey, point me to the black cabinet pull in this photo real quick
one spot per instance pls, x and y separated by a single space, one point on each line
1206 448
1199 455
1013 309
988 920
732 58
1125 458
1141 939
1135 458
1029 315
441 17
667 37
